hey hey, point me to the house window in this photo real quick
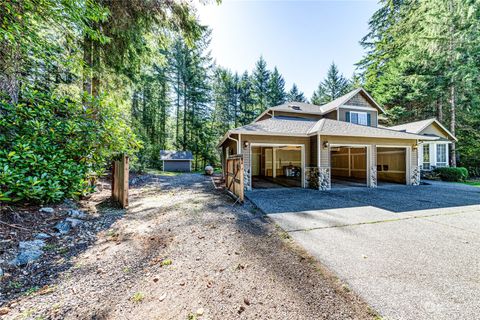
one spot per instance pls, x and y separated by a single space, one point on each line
426 156
359 118
441 155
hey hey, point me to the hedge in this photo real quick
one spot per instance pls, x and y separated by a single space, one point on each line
452 173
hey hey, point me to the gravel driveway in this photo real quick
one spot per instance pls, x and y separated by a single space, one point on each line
184 250
410 251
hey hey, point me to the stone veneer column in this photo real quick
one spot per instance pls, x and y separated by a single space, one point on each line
372 166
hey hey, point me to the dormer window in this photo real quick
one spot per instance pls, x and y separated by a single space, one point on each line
362 118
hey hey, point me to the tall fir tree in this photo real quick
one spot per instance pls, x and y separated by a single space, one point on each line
332 87
260 80
276 89
295 95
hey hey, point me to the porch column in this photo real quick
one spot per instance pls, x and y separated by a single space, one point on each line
274 162
324 170
371 166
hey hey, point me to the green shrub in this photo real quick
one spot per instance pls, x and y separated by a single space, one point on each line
452 173
52 146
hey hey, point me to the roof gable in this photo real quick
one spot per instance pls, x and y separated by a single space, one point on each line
175 155
424 127
357 97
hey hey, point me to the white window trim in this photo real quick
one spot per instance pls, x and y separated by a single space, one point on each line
432 148
446 154
360 113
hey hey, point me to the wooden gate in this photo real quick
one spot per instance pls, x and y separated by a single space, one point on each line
120 181
234 176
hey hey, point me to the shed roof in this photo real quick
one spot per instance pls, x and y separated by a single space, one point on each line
175 155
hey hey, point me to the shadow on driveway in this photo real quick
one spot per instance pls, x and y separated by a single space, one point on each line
394 198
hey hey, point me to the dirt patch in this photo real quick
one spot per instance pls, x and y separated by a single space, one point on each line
184 251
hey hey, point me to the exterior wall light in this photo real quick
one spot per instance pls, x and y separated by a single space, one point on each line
245 144
325 144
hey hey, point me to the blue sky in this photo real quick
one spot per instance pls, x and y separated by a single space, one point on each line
301 38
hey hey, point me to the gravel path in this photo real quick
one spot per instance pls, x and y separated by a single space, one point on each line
185 251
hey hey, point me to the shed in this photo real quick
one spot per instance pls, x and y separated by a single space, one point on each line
176 160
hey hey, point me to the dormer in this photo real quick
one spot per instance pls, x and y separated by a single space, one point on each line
356 107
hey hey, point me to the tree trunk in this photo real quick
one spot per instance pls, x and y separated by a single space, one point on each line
177 140
87 65
440 110
185 105
453 158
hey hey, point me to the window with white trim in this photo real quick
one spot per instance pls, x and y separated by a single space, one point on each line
442 155
359 118
426 156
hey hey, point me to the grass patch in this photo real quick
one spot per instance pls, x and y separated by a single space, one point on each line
31 291
163 173
167 262
475 183
138 297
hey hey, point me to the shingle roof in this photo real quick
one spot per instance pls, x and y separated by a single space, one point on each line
175 155
280 125
305 127
418 126
301 107
298 107
413 127
340 128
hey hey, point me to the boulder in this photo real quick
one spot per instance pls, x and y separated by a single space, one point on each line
47 210
63 227
79 214
42 236
29 251
209 170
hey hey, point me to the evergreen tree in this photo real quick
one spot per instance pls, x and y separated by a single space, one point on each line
334 86
295 95
276 89
245 99
421 62
260 80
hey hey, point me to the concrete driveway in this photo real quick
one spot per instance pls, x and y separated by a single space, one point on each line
412 252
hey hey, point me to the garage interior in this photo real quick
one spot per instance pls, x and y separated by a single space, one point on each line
348 166
276 167
391 165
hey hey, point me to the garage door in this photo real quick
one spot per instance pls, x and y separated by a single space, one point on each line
391 165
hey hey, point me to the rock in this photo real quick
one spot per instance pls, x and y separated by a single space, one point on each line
1 272
209 170
240 309
79 214
42 236
4 311
200 311
246 301
31 245
74 222
29 251
47 210
63 227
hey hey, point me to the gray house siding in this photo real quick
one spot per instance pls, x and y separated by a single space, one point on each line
178 165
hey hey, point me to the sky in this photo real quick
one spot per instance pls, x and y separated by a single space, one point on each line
300 38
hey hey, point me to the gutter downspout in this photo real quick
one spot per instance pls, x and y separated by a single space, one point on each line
236 141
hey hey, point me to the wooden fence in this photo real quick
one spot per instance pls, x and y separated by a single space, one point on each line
120 181
234 176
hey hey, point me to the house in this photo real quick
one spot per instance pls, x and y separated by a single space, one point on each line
340 143
176 160
435 153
